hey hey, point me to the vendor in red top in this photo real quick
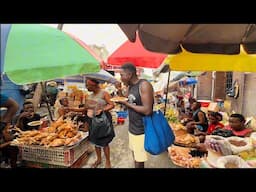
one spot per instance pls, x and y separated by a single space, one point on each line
237 125
214 121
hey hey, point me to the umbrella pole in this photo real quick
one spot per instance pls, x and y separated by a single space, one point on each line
60 26
46 100
167 89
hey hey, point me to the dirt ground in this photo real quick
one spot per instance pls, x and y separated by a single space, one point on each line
121 155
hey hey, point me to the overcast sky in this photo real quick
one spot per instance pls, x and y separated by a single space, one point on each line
109 35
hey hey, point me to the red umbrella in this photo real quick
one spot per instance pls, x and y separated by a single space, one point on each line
136 54
85 46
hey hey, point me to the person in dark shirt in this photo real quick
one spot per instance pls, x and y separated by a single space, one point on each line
12 107
7 151
28 115
200 122
52 91
140 103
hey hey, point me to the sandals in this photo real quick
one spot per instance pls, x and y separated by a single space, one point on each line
95 164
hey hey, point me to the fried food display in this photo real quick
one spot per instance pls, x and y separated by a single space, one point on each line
182 137
35 123
181 156
60 133
118 98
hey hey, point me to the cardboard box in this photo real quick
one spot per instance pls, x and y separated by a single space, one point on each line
213 107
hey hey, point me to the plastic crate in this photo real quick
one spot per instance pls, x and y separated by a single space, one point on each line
122 114
63 156
77 164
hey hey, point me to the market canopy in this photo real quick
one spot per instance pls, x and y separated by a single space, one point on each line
200 47
136 54
185 61
32 53
195 38
164 68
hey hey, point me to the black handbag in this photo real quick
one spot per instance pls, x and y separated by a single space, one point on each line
101 130
223 132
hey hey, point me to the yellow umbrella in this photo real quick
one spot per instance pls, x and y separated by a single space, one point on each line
187 61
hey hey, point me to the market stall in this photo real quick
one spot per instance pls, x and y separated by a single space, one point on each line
59 145
219 152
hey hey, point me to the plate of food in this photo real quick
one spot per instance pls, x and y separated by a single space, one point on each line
184 139
182 157
35 123
116 99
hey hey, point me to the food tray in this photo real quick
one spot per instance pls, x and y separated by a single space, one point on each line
63 156
190 145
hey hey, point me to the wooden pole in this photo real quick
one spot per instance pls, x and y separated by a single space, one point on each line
46 100
167 89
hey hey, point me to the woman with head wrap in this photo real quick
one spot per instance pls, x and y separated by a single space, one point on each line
97 103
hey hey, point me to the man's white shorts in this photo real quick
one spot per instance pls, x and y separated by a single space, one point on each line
136 144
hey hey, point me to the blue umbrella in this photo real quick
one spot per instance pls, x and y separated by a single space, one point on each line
4 34
188 81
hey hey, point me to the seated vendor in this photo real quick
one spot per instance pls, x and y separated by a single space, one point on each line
28 115
214 121
214 124
237 125
9 153
199 122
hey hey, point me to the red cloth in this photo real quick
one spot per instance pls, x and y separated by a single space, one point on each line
212 127
90 82
241 133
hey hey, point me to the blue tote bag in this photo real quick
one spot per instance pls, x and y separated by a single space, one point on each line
158 133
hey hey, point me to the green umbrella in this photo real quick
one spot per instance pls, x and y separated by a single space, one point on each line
35 53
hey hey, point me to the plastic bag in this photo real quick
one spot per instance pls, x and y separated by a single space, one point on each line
239 144
231 161
101 130
253 139
218 144
158 133
252 123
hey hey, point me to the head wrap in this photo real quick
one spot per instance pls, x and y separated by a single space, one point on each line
91 82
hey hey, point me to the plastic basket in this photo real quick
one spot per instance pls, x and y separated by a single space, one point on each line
122 114
63 156
204 103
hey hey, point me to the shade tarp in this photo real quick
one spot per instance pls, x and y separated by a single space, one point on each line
196 38
186 61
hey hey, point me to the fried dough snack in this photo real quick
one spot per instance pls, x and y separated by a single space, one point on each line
58 134
181 157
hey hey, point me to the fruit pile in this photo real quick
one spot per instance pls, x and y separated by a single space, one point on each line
172 115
